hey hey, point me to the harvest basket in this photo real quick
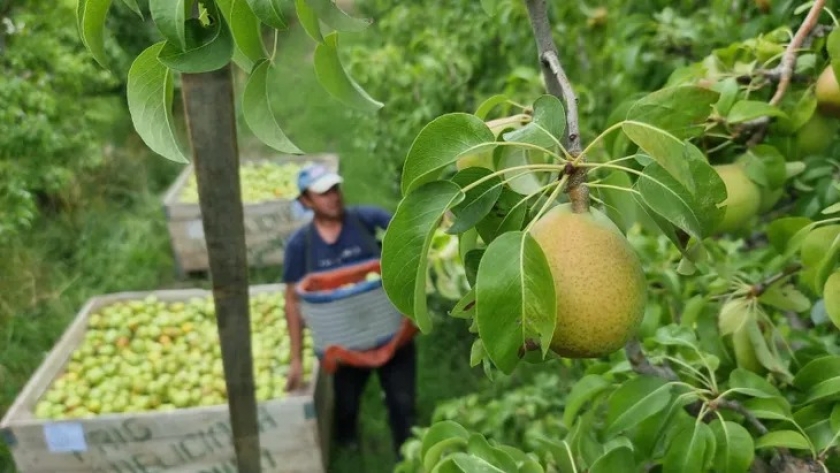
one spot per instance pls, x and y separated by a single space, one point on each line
267 223
294 430
342 308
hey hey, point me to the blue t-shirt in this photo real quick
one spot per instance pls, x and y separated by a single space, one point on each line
351 246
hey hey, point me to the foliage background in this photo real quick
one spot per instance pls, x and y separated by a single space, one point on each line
80 195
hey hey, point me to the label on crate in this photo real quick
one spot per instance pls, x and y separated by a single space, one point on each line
65 437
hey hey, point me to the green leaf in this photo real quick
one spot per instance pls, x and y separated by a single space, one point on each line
751 384
477 353
506 215
524 463
815 420
492 102
783 438
688 450
668 151
562 453
680 111
90 18
465 307
441 435
697 213
149 91
259 117
617 460
820 379
478 201
835 418
617 205
470 464
336 18
728 89
132 5
635 401
547 128
521 181
582 392
471 261
207 48
767 358
774 408
765 165
785 297
746 110
826 265
440 143
335 79
478 446
170 17
269 12
781 231
735 448
309 20
406 246
245 28
515 298
831 209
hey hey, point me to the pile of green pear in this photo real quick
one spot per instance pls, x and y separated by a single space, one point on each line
151 355
261 181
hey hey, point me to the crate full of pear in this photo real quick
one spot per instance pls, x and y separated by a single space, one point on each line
271 213
136 384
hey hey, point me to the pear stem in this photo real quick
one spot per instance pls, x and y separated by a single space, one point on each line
557 83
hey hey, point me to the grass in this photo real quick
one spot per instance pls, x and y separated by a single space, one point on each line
111 237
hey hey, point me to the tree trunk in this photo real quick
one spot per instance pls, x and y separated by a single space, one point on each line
209 107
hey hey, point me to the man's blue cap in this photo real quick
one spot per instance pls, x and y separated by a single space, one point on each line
317 178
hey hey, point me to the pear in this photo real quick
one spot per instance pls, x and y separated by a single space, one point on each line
600 285
743 197
815 136
827 92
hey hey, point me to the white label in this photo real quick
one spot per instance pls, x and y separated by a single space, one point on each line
65 437
195 230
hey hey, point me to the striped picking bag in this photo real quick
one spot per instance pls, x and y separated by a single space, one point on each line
341 308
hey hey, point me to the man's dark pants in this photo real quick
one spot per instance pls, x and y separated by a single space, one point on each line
398 380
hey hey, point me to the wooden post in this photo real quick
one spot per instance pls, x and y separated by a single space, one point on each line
211 121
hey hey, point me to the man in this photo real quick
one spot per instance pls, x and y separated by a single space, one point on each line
335 237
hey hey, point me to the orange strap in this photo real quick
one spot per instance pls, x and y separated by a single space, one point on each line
335 355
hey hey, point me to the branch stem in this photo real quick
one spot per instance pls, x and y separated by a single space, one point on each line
557 83
789 57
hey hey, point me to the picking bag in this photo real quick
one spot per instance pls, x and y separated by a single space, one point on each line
347 313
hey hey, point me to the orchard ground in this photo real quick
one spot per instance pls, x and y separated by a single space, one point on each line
117 241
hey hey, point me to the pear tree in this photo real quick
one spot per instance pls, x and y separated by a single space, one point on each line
683 260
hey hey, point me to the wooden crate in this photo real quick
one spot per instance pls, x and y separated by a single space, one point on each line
267 224
294 431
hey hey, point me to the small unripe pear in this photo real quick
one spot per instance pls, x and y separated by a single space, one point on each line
743 197
831 297
598 278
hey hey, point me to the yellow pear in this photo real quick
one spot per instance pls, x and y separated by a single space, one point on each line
599 281
827 92
743 197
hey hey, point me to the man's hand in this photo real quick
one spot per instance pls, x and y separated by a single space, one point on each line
295 375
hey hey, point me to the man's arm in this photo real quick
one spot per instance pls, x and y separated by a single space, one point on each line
374 216
294 324
293 271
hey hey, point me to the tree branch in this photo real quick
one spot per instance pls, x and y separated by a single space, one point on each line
557 83
789 57
736 406
785 71
641 365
